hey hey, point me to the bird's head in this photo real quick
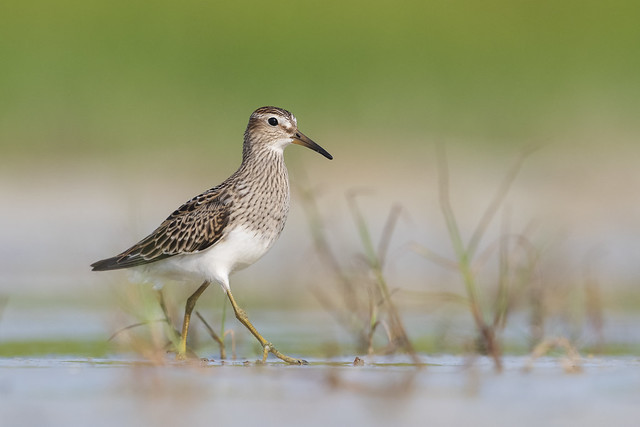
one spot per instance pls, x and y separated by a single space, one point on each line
276 128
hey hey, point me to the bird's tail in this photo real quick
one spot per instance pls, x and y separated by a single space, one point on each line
107 264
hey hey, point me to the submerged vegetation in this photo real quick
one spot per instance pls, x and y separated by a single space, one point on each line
56 347
362 302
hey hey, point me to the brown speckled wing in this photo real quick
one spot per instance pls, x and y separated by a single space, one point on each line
192 227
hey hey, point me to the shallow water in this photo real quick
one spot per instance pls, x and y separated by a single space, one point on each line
127 390
450 390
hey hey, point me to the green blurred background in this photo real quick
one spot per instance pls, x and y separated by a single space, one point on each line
95 77
113 113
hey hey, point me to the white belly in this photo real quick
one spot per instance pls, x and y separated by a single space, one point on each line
239 249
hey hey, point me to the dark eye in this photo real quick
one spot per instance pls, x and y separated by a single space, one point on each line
273 121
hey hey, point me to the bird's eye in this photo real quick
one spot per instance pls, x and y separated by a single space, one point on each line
273 121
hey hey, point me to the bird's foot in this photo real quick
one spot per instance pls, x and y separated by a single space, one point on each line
269 348
183 353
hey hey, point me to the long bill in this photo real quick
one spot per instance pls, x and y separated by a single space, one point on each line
302 139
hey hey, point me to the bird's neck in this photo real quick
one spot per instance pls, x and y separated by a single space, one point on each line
263 180
263 160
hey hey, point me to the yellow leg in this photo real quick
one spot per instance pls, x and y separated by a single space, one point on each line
267 347
191 303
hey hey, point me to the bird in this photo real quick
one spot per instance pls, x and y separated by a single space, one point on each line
228 227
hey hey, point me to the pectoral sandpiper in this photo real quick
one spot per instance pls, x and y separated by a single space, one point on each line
228 227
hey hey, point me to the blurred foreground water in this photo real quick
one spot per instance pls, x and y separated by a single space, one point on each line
449 391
